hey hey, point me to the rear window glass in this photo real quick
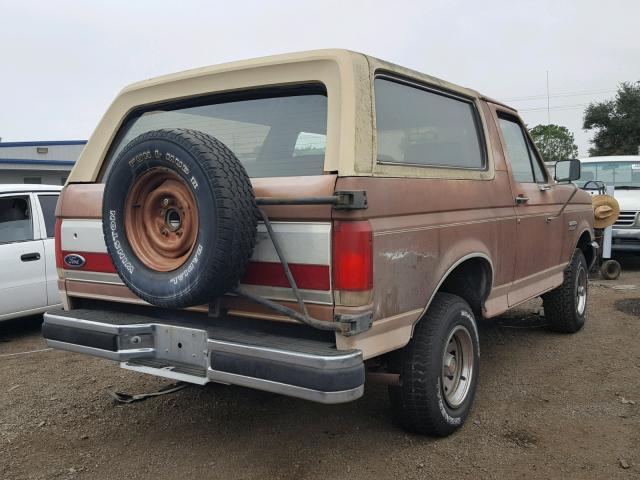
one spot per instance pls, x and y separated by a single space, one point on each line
272 136
309 144
421 127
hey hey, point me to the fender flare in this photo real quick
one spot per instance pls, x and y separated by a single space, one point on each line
448 272
592 243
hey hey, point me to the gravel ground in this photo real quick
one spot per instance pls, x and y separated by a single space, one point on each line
547 406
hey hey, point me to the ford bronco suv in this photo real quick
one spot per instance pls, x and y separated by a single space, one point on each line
303 222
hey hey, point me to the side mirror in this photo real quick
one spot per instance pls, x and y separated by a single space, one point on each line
567 170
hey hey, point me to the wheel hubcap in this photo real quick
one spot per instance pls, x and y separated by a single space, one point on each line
581 291
173 220
161 220
457 366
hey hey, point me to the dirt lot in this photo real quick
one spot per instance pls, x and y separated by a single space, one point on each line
547 406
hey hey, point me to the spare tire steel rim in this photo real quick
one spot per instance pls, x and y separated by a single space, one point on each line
161 219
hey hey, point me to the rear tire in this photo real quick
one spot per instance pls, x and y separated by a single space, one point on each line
439 369
565 307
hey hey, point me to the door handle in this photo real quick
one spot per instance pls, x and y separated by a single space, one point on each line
30 257
520 199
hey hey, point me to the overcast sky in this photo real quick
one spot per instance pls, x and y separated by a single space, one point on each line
63 62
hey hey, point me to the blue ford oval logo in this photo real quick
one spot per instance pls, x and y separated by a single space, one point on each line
74 260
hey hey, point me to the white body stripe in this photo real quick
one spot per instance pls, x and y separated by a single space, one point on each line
82 236
94 277
302 242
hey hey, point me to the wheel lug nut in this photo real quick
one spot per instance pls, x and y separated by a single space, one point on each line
165 202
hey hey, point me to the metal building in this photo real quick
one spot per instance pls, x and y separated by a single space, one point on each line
38 162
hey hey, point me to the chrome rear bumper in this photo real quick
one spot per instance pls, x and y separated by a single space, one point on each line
212 350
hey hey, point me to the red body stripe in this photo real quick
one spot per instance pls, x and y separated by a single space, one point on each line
94 262
309 277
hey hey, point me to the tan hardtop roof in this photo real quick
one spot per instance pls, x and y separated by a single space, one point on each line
342 56
348 74
339 55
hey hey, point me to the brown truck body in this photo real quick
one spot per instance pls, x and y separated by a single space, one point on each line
474 232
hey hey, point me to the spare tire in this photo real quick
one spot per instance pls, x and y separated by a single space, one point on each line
179 217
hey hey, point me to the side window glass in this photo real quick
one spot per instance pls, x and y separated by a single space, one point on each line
535 162
517 151
15 219
48 205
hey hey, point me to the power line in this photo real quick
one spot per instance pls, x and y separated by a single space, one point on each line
559 107
576 93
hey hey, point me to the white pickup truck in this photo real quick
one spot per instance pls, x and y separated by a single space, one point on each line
28 284
623 173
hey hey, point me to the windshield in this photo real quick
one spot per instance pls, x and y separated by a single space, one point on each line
278 134
618 174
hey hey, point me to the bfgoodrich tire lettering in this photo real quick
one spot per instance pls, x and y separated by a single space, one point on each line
420 402
223 217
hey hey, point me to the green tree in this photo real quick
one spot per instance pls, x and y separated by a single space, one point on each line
616 122
554 142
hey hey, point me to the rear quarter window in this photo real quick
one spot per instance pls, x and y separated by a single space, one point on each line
418 126
48 205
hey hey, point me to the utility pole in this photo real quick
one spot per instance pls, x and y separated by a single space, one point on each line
548 102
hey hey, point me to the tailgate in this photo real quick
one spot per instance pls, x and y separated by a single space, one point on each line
304 233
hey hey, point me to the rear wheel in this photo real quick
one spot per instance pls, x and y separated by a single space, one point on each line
439 369
565 307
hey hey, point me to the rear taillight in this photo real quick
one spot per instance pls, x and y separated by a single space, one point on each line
352 256
58 243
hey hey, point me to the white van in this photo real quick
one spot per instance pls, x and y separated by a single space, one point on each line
623 172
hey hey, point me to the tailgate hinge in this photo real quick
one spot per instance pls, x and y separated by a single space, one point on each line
355 323
351 200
